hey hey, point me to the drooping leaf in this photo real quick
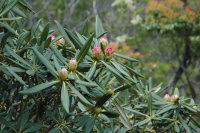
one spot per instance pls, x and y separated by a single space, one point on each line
65 98
102 100
111 114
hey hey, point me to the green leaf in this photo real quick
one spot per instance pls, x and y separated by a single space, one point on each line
47 42
84 49
7 9
125 57
34 128
24 120
101 35
39 87
123 116
8 28
17 57
58 54
56 64
176 127
6 123
184 124
50 114
98 27
150 104
88 84
106 81
102 100
92 70
45 62
8 119
11 18
18 12
65 98
81 97
84 29
21 38
135 111
176 91
89 125
16 76
45 33
2 3
123 87
74 39
62 31
111 114
141 123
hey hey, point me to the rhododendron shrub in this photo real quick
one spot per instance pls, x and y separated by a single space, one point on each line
53 87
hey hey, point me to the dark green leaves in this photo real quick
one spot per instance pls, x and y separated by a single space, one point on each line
84 49
111 114
127 58
98 27
102 100
44 33
8 8
65 98
84 29
39 87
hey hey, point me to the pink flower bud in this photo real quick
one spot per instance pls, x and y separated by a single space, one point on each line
52 37
62 41
72 64
109 52
173 98
97 53
104 42
166 97
63 74
195 108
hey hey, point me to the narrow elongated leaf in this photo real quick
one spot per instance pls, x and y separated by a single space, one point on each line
98 27
6 123
11 5
125 57
123 87
124 118
45 62
102 100
50 114
11 18
21 38
62 31
17 57
184 124
2 3
44 33
18 12
84 49
58 54
88 84
89 125
81 97
65 98
34 128
150 104
141 123
8 28
16 76
74 39
105 82
39 87
24 120
84 29
92 70
56 64
111 114
135 111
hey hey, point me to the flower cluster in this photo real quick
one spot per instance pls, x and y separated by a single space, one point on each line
172 99
108 50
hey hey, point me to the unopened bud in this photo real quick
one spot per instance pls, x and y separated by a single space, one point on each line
72 64
110 91
109 52
62 41
166 97
63 74
97 110
173 98
195 108
104 42
97 53
52 37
